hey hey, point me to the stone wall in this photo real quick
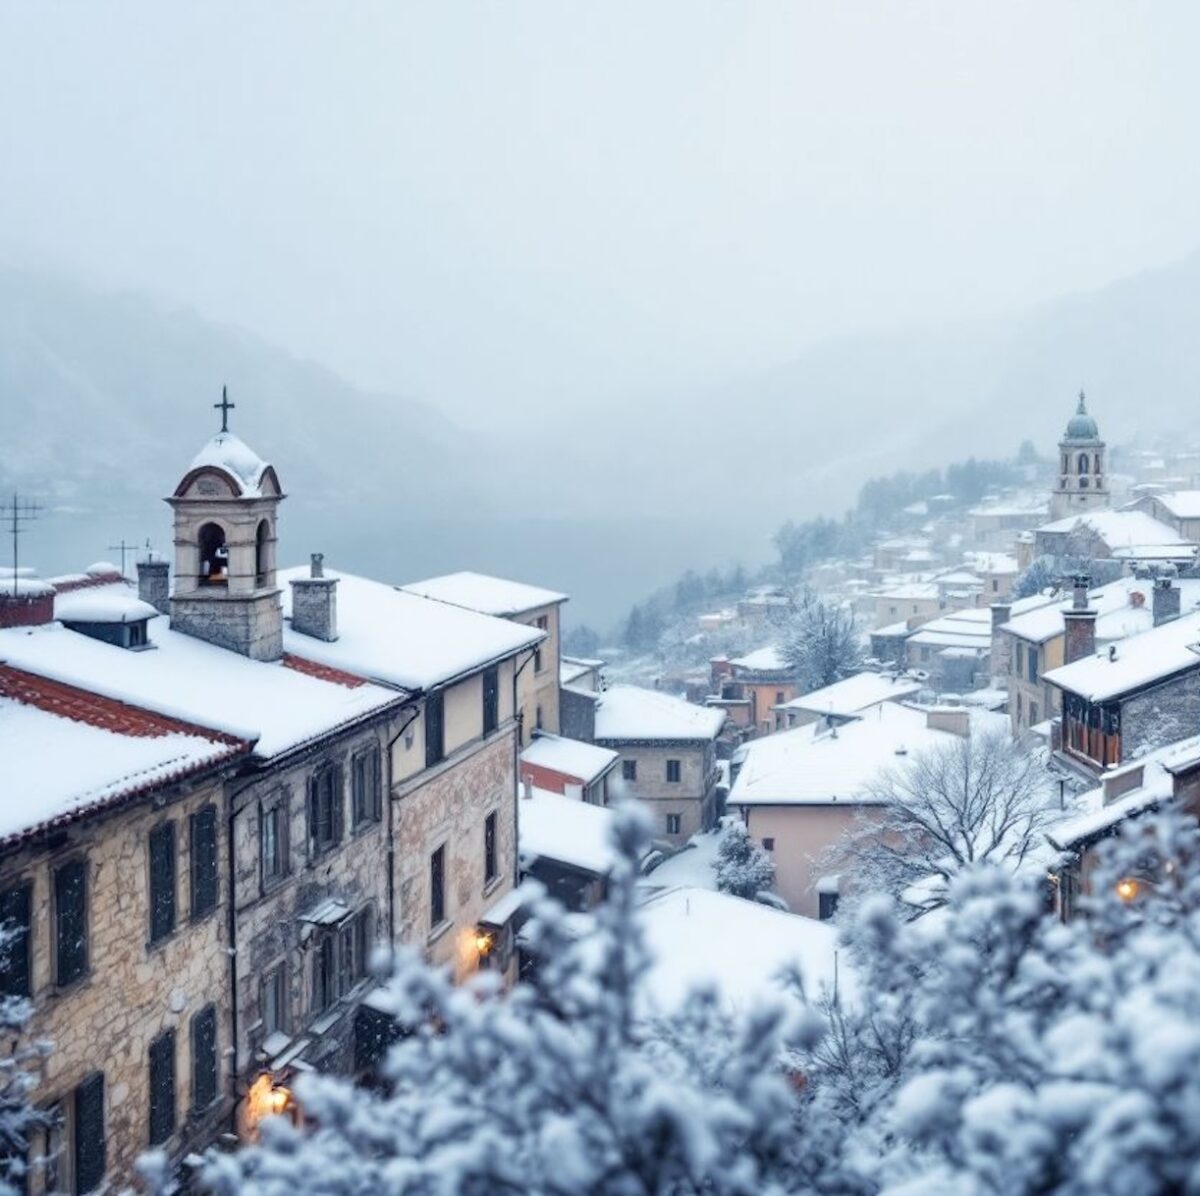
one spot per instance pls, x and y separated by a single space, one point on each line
1162 715
692 798
133 990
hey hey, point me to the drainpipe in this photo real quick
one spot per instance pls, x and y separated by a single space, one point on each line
391 828
231 897
519 718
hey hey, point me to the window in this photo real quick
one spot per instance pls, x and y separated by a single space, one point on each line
673 771
491 699
435 729
1083 462
365 787
537 718
629 770
272 833
203 852
90 1162
274 1002
1033 712
262 566
324 976
363 941
539 663
214 556
674 824
437 888
827 904
162 1087
995 585
768 844
779 697
162 881
490 868
1031 665
70 922
204 1057
324 810
53 1156
15 914
354 950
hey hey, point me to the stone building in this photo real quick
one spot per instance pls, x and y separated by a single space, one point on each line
1082 472
531 606
668 756
354 783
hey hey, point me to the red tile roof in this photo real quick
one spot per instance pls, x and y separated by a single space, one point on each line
322 671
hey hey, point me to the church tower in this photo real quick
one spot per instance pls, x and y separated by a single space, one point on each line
1082 474
226 518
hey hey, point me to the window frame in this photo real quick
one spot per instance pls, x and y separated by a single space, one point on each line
211 1065
83 1183
326 779
84 965
674 766
674 824
166 900
437 887
491 849
434 718
275 980
629 770
196 909
158 1120
275 814
366 786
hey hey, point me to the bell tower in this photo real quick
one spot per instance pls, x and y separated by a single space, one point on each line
1082 470
226 518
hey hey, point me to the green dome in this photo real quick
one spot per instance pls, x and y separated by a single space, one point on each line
1081 425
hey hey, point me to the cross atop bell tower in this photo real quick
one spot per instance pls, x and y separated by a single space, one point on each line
225 407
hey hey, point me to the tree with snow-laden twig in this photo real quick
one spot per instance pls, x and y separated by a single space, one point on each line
980 799
743 868
822 644
19 1065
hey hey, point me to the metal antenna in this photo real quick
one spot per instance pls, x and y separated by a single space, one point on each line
123 548
17 514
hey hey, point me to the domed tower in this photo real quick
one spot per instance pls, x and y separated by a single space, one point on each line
1082 474
226 517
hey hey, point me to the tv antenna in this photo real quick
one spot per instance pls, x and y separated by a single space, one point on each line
123 549
16 515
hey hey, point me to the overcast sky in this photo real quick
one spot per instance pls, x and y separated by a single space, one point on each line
504 205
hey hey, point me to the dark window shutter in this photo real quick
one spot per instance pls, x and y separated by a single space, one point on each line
312 816
435 739
89 1134
70 911
162 881
489 847
491 700
204 1058
337 798
437 887
162 1087
14 949
376 784
204 861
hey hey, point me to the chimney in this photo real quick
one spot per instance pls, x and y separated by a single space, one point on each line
1079 624
314 602
1001 660
1165 601
954 719
154 585
25 602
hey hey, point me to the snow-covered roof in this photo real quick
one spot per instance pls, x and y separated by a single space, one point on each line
488 595
232 456
274 705
993 562
762 660
567 831
1139 661
893 629
910 591
1183 504
1118 613
1118 529
67 752
570 757
571 668
24 587
114 603
630 713
748 949
814 765
971 628
855 694
1092 816
394 636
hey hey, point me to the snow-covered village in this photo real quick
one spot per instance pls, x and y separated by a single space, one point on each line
599 601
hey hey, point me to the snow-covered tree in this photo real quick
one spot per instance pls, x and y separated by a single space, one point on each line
18 1077
560 1088
1040 574
743 868
822 643
979 799
994 1050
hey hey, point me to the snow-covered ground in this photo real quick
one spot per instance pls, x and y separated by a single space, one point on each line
695 865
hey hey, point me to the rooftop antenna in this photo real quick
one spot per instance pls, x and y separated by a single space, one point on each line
17 514
225 407
123 549
149 549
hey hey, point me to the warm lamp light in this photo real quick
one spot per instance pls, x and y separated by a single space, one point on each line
483 942
1127 889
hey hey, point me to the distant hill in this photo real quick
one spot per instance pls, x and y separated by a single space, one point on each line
802 437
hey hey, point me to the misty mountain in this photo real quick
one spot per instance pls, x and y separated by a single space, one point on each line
802 437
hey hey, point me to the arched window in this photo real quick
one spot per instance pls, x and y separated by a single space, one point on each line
1066 467
214 556
262 548
1096 468
1083 462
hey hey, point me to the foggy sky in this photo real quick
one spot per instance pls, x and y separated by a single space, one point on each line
505 208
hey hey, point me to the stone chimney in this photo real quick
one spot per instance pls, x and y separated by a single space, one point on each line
314 602
1165 600
954 719
1001 644
25 602
154 584
1079 623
